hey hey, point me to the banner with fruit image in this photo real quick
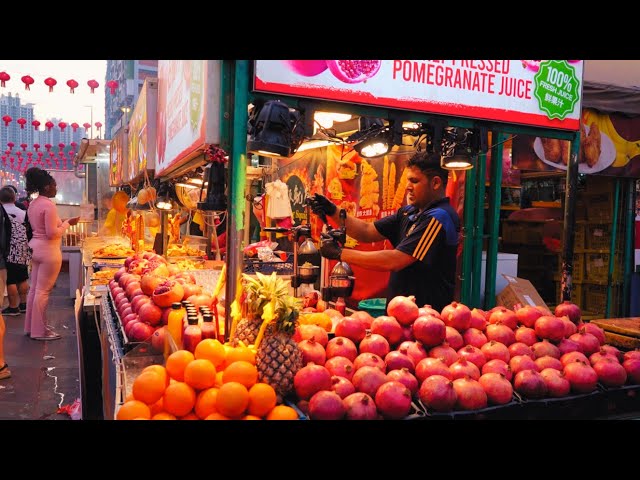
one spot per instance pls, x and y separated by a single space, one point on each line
542 93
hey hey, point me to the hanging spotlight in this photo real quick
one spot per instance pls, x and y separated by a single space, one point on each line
458 148
274 129
376 138
163 198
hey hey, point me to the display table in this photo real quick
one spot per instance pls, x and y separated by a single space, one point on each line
74 256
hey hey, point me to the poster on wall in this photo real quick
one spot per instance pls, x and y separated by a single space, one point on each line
142 131
609 145
542 93
118 164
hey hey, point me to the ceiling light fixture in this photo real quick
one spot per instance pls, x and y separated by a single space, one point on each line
458 148
274 129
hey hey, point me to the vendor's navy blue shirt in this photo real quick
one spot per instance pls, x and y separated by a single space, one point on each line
431 237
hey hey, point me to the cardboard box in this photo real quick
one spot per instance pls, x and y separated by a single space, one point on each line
519 292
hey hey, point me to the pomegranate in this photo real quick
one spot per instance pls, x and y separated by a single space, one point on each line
374 343
438 394
158 338
129 326
404 376
430 331
167 293
464 368
631 354
351 328
478 319
613 351
471 395
588 343
341 347
403 309
569 327
140 331
131 288
548 362
388 327
456 315
312 351
543 310
201 300
526 335
498 389
432 366
505 316
566 346
326 405
360 406
129 318
569 309
582 377
492 350
500 333
518 363
473 354
570 357
119 273
427 310
191 290
353 71
396 360
393 400
528 315
309 331
557 384
311 379
364 317
137 302
150 313
342 386
369 360
416 352
444 352
544 349
407 334
148 283
599 355
340 367
474 337
368 379
306 68
454 338
632 366
594 330
498 366
530 384
549 327
125 310
610 372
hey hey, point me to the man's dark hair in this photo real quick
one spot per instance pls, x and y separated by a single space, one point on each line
7 195
429 164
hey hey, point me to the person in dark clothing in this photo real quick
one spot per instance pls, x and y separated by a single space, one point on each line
425 235
5 242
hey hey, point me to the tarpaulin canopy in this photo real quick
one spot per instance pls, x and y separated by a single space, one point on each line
612 86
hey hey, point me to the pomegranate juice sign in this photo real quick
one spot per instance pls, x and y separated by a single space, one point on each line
542 93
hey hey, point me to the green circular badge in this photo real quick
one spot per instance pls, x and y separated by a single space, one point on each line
556 88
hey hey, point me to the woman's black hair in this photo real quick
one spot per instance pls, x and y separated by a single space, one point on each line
37 180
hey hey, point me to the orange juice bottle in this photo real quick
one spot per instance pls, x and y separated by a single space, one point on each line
174 327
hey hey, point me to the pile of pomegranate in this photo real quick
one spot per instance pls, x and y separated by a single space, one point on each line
456 359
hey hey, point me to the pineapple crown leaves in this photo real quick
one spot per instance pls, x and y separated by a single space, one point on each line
288 310
261 289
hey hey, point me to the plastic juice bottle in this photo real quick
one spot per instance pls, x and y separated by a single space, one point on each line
341 305
174 327
207 327
192 334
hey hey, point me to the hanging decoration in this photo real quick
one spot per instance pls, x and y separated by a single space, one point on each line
28 81
74 126
93 85
113 84
7 120
4 77
50 82
35 124
74 145
29 154
62 126
86 125
48 147
36 147
49 125
24 147
21 122
72 84
98 126
10 145
61 146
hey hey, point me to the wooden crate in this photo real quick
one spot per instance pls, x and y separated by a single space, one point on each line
578 268
621 332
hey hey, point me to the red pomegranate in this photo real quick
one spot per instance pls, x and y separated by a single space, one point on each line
140 331
341 347
404 376
351 328
456 315
613 351
520 363
610 372
191 290
340 367
397 359
478 319
432 366
444 352
427 310
498 389
326 405
312 351
594 330
430 331
364 317
572 356
353 71
631 354
569 327
548 362
569 309
530 384
368 379
167 293
464 368
588 343
369 360
403 309
158 338
201 300
498 366
492 350
454 338
545 348
471 395
632 366
557 385
549 327
374 343
566 346
306 68
388 327
500 333
416 351
528 315
393 400
360 406
519 348
505 316
473 354
311 379
599 355
342 386
526 335
137 302
438 394
474 337
309 331
150 313
582 377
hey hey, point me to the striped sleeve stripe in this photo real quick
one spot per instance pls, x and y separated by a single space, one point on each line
424 237
431 239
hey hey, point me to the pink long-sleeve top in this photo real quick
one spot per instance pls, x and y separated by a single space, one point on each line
44 219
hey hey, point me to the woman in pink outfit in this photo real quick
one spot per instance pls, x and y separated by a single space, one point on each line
47 251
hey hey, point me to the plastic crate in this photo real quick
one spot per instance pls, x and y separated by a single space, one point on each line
374 306
266 268
598 236
597 267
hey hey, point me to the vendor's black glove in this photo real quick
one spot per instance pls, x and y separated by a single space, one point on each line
329 248
321 204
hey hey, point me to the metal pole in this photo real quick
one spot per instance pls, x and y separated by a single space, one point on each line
612 246
629 246
478 231
467 235
571 192
235 101
495 196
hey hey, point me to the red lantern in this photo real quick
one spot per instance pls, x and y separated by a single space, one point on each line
4 77
113 84
48 146
86 125
61 146
24 147
28 81
61 154
72 84
98 125
62 126
29 154
40 154
21 122
50 82
10 145
49 125
19 153
51 154
74 126
7 120
36 146
74 145
35 124
93 85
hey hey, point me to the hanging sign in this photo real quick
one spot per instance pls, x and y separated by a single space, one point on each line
142 131
541 93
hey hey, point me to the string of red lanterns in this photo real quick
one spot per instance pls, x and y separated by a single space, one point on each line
7 119
52 82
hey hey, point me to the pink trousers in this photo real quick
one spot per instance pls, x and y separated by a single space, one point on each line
45 268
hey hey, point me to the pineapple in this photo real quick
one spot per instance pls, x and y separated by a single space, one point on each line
260 291
278 358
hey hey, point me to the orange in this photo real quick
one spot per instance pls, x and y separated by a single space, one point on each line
157 407
262 399
159 369
240 353
148 387
190 416
200 374
251 417
177 362
206 402
132 410
282 412
232 400
242 372
216 416
163 416
212 350
129 397
219 381
179 399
